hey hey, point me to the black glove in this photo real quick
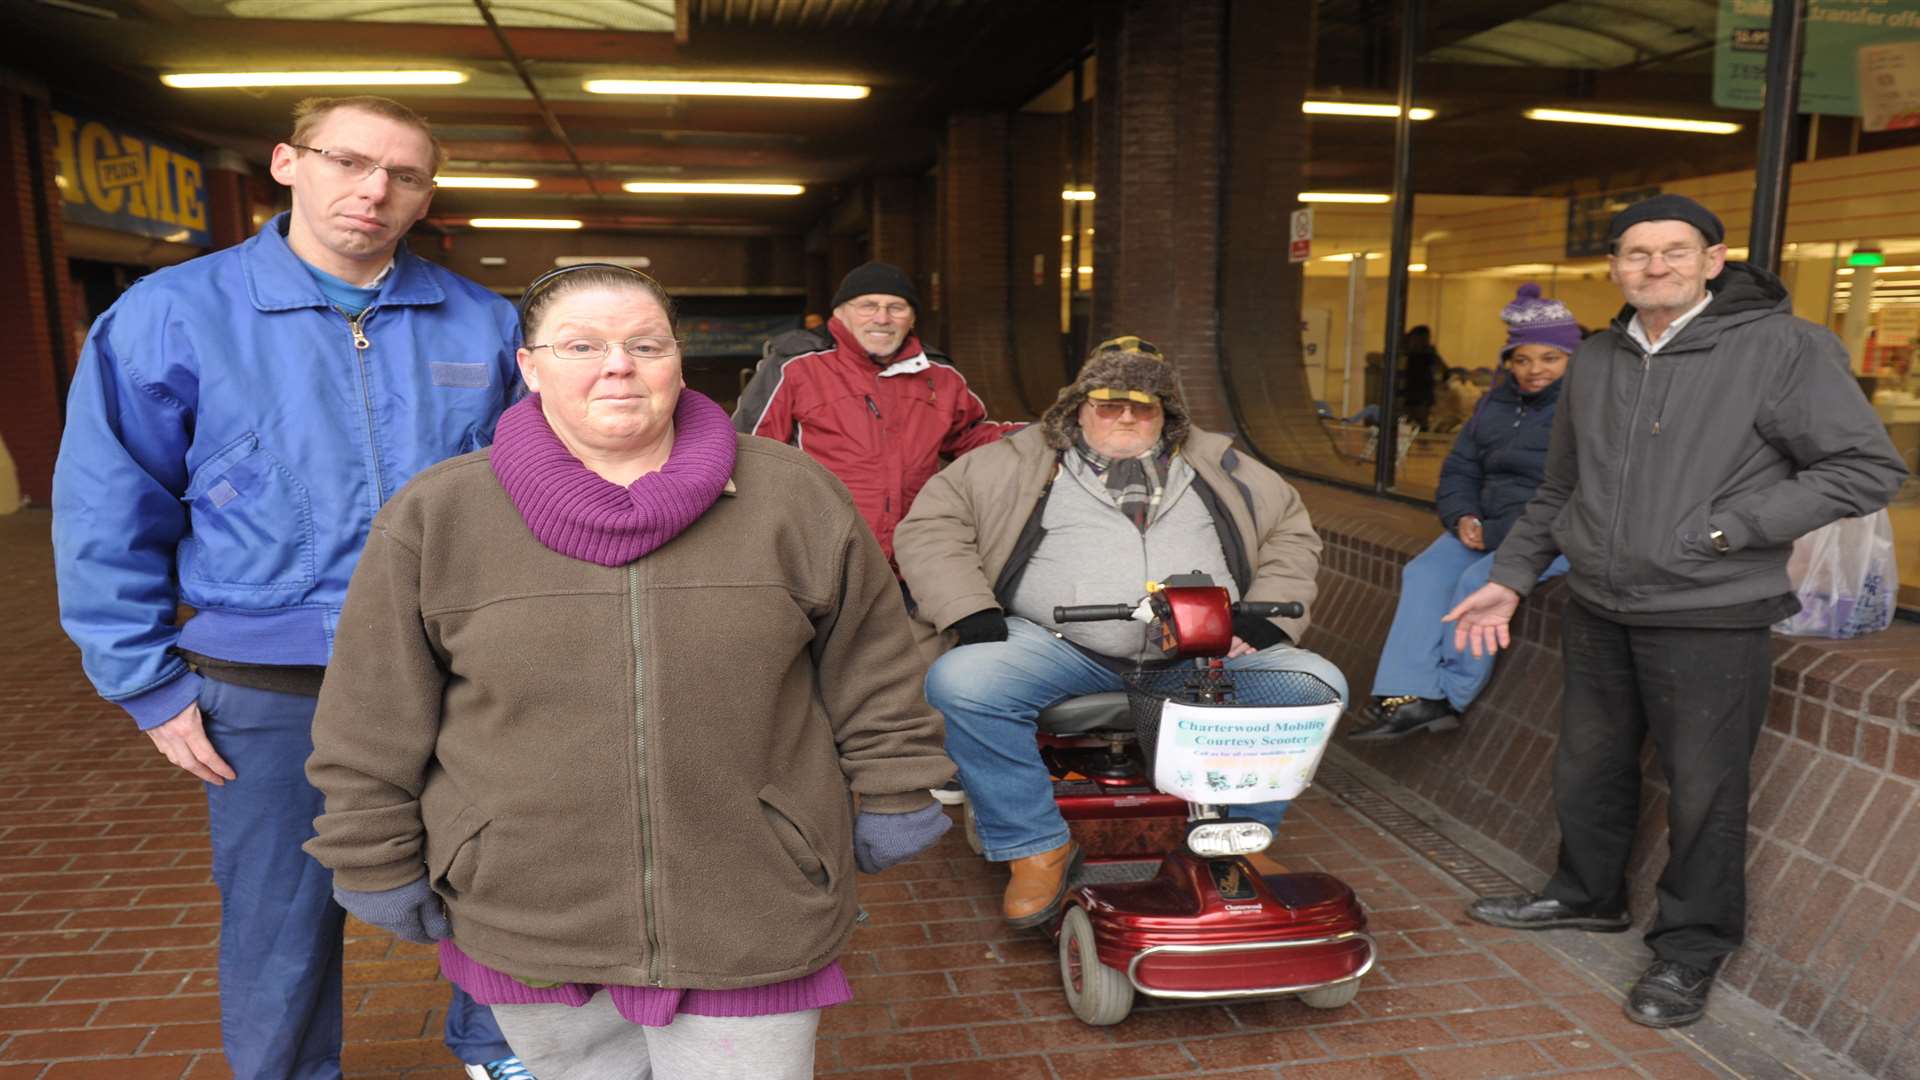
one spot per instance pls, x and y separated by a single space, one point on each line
411 911
1258 632
981 626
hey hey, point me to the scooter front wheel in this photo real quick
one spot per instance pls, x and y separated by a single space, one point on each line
1337 996
1096 993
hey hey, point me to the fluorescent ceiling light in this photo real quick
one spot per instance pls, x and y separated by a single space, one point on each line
1416 268
1361 108
1654 123
703 88
1071 195
493 183
692 187
1367 197
211 80
524 223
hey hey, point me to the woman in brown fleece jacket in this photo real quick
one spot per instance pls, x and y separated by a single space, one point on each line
601 699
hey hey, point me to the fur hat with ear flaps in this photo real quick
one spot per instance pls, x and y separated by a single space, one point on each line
1124 363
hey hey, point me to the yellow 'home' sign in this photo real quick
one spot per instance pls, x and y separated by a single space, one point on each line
119 179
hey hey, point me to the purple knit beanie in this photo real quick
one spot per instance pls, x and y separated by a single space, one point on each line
1534 320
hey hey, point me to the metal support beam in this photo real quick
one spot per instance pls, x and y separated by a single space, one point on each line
1412 20
1785 39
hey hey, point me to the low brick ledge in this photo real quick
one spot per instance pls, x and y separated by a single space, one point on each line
1834 834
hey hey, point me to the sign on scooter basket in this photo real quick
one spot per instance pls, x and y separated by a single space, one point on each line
1234 755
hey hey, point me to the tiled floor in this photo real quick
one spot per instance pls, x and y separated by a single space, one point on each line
108 926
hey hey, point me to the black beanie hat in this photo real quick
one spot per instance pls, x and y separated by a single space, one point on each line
1667 208
876 278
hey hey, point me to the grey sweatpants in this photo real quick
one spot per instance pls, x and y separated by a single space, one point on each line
594 1042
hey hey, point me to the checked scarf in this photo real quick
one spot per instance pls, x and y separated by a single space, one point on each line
1136 483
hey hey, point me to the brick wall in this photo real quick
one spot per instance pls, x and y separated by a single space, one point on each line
974 257
1834 834
39 354
1157 172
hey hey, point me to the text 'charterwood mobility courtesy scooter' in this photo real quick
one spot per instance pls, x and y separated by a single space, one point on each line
1160 768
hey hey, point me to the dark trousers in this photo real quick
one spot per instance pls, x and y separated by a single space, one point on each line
1702 695
280 945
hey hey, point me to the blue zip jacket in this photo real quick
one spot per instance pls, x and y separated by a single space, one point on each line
1498 459
230 435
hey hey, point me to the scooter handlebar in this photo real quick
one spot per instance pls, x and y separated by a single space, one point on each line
1093 613
1267 609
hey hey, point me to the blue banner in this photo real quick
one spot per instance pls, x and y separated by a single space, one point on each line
118 178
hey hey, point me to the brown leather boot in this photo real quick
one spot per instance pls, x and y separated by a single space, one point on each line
1039 885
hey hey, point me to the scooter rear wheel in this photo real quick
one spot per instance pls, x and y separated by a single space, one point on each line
1097 994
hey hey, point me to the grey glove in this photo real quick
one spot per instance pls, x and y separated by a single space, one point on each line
411 911
882 840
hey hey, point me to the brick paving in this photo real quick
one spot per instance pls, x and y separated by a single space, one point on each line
108 927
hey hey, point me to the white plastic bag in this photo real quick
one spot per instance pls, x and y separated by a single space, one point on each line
1240 754
1846 579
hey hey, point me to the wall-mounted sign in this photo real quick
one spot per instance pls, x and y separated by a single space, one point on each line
1890 86
1300 247
1829 65
1589 215
118 178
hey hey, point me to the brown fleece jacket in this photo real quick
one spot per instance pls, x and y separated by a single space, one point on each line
638 775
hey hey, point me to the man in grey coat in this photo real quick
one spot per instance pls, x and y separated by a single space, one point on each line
1696 438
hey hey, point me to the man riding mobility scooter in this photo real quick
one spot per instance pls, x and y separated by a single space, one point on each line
1176 753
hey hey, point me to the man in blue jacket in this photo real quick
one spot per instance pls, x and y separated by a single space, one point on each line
234 423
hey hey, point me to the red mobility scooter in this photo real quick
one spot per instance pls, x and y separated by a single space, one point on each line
1166 902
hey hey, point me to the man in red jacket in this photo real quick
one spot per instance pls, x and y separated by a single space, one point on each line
866 399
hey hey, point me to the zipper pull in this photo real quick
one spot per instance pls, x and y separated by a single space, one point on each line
359 339
933 392
873 408
1656 427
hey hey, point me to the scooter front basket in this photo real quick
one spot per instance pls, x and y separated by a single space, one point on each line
1232 737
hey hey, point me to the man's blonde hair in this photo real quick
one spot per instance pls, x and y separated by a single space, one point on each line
311 112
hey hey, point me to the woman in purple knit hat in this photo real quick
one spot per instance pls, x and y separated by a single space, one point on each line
617 707
1423 683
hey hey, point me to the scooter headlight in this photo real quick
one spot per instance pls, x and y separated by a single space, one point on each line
1217 839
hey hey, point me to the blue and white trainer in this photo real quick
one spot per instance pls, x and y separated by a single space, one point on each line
507 1068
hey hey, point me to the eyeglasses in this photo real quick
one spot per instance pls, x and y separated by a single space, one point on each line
1128 343
354 167
1679 258
1112 410
867 309
636 348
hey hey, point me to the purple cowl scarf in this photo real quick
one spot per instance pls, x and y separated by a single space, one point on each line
576 512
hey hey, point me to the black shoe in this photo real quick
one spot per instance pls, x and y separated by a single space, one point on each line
1540 913
1400 717
1669 994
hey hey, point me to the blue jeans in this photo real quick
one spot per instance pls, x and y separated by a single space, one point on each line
990 694
1419 657
280 943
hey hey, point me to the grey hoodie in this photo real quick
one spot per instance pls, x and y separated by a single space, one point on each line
1748 421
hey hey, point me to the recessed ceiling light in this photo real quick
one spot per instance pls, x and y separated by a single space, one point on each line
703 187
494 183
1363 197
1362 108
707 88
1629 120
213 80
523 223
